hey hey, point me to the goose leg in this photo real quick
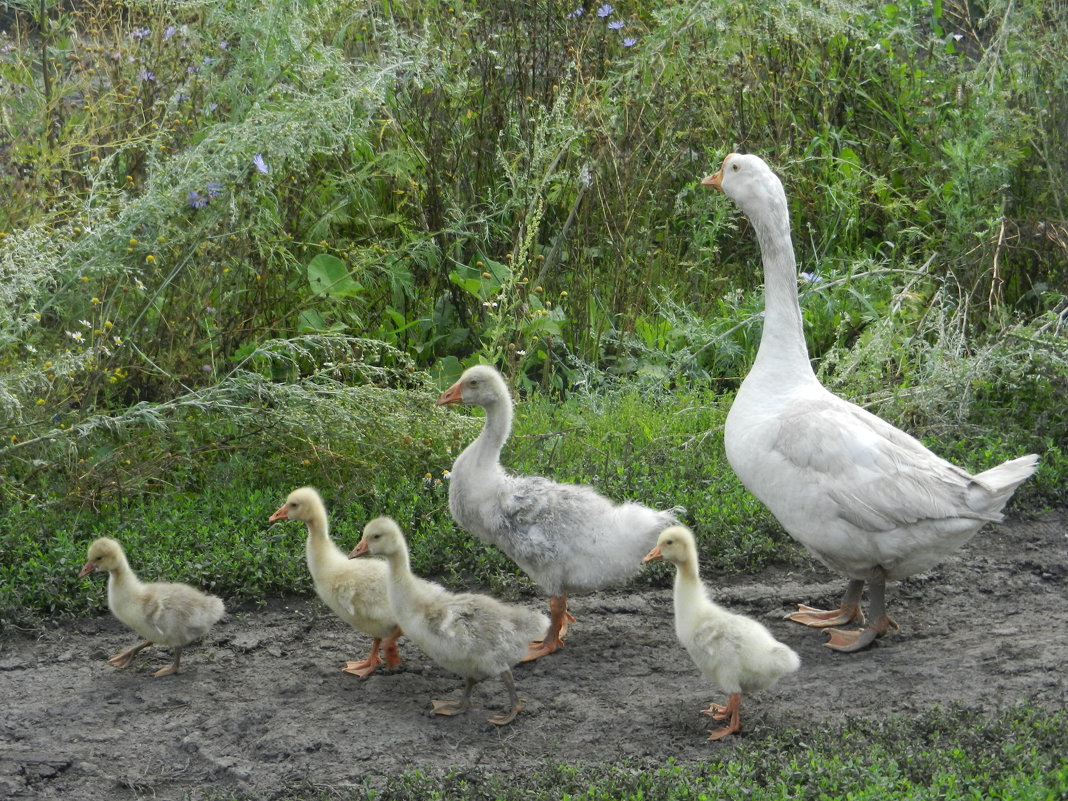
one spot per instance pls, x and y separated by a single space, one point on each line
367 666
850 641
454 707
123 659
172 667
731 713
553 640
847 612
517 702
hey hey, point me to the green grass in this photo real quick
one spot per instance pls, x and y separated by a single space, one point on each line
1015 755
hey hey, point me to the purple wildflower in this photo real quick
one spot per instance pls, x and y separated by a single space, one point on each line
146 77
140 33
196 200
629 41
615 25
578 12
224 45
261 165
604 11
214 189
171 30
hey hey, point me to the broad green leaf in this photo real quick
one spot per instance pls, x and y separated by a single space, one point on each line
327 275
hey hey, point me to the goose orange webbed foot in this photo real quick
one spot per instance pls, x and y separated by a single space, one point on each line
851 641
821 618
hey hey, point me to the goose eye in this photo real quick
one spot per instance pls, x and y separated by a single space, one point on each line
734 167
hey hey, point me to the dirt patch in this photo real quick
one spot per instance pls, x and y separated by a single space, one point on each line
262 708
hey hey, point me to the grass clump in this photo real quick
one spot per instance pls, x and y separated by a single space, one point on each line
944 754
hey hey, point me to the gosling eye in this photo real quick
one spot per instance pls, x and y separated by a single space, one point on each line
735 167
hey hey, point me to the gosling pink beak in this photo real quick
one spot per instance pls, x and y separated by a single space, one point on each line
87 568
361 549
451 395
281 514
653 555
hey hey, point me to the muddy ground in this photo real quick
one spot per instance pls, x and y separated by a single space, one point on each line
261 707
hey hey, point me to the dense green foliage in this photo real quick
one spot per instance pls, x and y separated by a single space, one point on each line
244 244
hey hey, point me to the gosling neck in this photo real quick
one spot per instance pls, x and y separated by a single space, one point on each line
121 577
319 547
485 451
689 592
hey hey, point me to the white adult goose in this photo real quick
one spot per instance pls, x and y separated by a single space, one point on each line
736 653
354 591
169 614
566 537
473 635
867 499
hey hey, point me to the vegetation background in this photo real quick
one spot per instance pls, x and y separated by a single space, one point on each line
243 245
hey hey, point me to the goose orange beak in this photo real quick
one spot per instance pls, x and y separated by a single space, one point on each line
451 395
87 568
653 555
361 549
279 515
714 180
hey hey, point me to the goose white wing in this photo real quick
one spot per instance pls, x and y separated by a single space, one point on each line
877 477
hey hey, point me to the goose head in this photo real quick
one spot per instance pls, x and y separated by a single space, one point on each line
675 544
748 181
104 554
480 385
303 504
381 537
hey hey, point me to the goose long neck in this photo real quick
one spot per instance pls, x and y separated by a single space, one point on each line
783 339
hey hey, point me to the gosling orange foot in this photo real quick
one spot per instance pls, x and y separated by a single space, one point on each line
504 720
363 668
449 708
553 639
731 713
123 659
389 649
